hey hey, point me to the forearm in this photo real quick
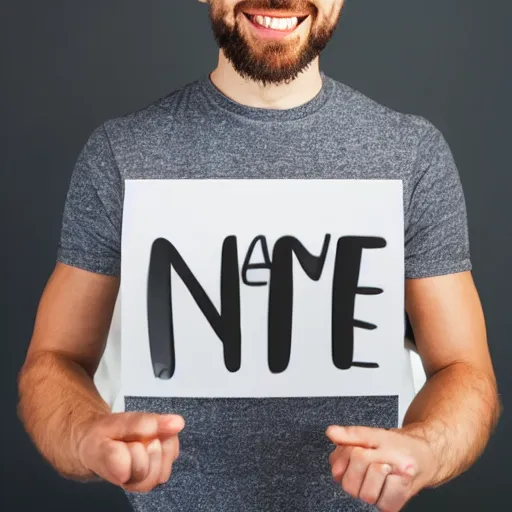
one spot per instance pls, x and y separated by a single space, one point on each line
57 397
456 412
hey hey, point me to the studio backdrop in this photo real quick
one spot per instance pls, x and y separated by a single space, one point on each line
66 67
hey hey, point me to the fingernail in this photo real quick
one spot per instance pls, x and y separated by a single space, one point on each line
173 421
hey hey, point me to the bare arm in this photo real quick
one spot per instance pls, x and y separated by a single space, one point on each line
56 390
459 406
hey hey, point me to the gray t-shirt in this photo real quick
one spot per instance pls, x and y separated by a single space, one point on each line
265 454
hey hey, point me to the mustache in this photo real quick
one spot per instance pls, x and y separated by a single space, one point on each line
289 5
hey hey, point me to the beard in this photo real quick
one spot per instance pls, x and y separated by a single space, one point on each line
264 61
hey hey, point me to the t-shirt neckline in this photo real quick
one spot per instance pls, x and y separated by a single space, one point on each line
269 114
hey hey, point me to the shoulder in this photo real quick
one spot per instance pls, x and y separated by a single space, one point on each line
370 119
139 141
160 116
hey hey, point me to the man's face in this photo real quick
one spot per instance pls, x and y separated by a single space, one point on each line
272 41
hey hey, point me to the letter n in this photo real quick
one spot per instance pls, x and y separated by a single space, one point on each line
225 324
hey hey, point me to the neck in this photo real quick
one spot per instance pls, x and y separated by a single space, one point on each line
253 94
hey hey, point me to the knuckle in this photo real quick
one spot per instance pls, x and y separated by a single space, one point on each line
410 467
141 423
360 454
357 452
360 458
384 469
109 451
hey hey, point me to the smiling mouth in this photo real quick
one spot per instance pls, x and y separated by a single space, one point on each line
278 23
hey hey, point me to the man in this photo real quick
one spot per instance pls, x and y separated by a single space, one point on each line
266 111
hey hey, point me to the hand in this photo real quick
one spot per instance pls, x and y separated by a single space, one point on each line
133 450
382 467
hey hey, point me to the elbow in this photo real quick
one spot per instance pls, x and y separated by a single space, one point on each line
23 382
498 410
490 395
28 377
35 371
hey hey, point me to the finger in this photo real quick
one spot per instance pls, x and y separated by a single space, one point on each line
112 461
401 464
395 493
137 426
154 454
170 452
366 437
336 454
373 482
339 462
140 463
358 464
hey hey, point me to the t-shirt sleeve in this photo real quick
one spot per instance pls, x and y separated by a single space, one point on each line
90 236
436 235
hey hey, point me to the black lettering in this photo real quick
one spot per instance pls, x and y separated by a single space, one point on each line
344 290
248 266
226 324
281 295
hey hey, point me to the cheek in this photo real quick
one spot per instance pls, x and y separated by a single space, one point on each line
323 24
229 11
329 12
222 12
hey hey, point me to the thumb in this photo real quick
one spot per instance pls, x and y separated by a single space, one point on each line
140 426
366 437
169 425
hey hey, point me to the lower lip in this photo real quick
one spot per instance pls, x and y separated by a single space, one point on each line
269 33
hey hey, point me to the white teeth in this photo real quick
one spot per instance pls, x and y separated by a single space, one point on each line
276 23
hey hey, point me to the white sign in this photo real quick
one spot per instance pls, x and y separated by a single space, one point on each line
262 288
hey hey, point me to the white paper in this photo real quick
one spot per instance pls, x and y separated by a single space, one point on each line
195 216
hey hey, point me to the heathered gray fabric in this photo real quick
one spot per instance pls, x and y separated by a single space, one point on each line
259 454
264 455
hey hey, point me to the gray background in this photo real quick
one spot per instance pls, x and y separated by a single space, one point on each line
68 66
